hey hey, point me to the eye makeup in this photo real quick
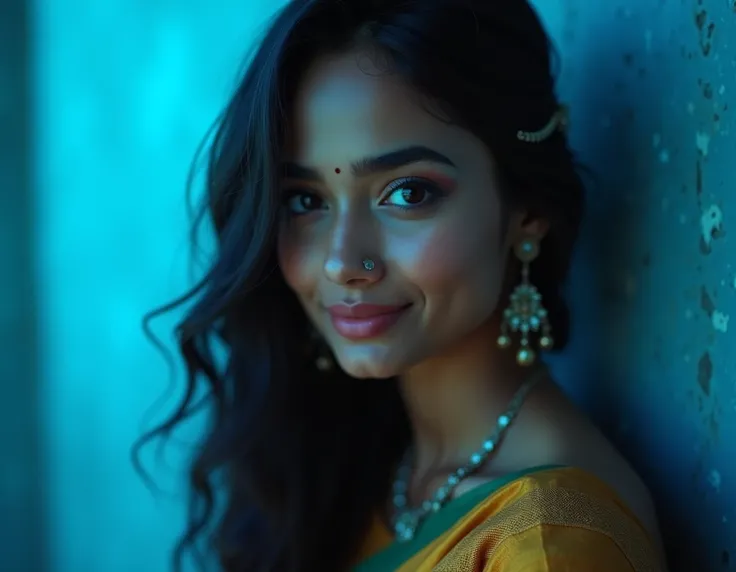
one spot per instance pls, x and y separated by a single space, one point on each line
447 182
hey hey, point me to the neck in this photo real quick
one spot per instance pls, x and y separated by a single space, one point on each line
454 399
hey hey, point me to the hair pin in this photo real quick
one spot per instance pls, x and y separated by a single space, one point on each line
559 121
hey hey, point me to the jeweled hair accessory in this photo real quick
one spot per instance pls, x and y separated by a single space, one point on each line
559 122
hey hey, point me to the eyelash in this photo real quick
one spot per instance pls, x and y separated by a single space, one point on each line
433 191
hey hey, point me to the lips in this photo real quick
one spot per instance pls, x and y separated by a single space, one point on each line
364 321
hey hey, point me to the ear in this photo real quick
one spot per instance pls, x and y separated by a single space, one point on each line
523 226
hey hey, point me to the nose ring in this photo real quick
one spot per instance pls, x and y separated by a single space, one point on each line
368 264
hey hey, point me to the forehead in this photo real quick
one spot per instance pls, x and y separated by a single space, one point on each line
347 109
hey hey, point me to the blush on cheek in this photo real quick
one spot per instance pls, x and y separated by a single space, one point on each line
437 258
457 270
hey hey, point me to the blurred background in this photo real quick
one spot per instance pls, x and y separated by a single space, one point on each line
102 105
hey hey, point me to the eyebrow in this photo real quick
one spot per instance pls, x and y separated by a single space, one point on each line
373 165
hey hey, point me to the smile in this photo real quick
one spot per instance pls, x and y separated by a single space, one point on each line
364 321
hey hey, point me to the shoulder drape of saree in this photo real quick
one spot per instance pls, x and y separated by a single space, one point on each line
558 519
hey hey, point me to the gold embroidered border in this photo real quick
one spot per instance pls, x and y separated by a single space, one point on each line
564 507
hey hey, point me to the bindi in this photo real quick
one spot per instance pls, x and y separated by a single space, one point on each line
337 170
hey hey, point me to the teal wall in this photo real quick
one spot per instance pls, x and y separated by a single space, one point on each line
124 93
21 489
652 86
92 220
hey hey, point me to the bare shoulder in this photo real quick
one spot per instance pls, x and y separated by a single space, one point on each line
551 430
611 467
571 438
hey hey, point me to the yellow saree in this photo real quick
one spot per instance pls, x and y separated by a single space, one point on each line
548 519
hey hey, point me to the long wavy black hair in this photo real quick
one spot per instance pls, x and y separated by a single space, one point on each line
301 459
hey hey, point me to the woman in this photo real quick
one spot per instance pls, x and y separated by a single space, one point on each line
396 205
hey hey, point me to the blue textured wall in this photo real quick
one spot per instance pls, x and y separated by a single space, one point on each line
652 85
124 91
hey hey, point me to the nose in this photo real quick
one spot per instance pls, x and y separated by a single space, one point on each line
352 259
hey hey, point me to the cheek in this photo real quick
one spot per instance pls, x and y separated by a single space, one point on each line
294 261
453 259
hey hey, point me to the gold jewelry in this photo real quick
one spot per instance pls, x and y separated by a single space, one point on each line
559 121
324 362
318 349
525 313
406 519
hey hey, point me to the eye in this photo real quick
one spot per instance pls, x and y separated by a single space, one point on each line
302 202
411 193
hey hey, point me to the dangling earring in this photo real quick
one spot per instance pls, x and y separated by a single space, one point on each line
320 352
324 361
525 313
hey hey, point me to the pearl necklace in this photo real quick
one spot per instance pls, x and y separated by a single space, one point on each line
407 519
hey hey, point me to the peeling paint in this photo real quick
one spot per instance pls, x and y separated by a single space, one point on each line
706 31
707 90
700 19
702 142
710 223
720 321
705 372
706 303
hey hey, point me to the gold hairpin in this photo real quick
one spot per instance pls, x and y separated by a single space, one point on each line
560 120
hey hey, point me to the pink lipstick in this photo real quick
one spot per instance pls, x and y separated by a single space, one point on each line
364 321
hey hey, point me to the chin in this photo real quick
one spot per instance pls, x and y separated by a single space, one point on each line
369 366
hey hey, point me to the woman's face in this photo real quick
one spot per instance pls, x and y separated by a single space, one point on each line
373 176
